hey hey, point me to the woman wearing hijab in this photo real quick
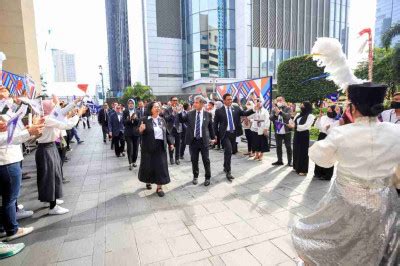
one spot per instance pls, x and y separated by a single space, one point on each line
154 164
325 124
131 133
48 162
301 141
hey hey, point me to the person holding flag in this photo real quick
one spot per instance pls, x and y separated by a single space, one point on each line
48 162
280 116
10 170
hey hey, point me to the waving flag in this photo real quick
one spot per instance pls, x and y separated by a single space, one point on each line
12 123
14 83
30 87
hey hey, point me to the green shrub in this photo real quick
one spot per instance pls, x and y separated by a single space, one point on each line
291 76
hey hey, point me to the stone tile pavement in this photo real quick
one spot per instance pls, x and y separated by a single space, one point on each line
113 220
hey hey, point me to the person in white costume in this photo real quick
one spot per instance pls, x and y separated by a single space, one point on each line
357 222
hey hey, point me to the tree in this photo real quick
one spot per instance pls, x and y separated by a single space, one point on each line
294 80
138 92
387 39
383 70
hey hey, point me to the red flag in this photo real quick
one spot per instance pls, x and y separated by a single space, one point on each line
83 87
366 30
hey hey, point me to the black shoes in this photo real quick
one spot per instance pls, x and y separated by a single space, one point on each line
148 186
229 176
277 163
289 164
195 181
160 192
172 161
80 142
207 182
178 162
134 165
130 167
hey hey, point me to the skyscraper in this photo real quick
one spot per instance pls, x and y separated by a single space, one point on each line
387 14
118 45
222 41
64 66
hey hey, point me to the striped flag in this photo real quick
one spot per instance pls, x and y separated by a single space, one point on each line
266 92
12 123
14 83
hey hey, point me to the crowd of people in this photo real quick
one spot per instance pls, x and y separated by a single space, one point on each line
161 131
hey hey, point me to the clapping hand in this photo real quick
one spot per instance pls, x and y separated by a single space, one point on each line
142 127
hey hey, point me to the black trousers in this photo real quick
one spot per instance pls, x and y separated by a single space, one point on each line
68 138
132 145
321 172
119 143
249 138
105 132
197 147
183 143
177 138
287 138
230 145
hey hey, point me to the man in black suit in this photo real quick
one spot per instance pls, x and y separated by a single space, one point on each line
116 131
199 132
141 110
183 135
131 130
103 120
174 128
227 124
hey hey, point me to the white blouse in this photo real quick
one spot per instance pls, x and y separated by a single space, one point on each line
307 125
260 121
158 132
323 122
53 127
365 149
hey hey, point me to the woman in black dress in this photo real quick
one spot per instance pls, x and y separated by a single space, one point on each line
153 164
301 141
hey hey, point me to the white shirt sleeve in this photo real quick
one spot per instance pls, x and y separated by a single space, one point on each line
68 124
307 125
324 152
19 137
318 123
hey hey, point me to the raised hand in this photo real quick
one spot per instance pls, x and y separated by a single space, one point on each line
142 127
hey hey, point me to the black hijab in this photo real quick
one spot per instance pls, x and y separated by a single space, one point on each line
305 111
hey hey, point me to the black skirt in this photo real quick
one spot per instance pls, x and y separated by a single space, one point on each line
259 142
153 167
301 143
321 172
49 172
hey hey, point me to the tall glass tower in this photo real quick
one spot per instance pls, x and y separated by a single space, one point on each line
208 39
280 29
387 14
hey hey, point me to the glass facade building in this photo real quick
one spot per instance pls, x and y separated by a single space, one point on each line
280 29
387 14
118 45
208 39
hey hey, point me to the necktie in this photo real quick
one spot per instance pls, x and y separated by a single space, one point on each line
198 126
230 120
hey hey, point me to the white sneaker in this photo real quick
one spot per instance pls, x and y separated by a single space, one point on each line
22 231
59 201
57 210
22 214
20 206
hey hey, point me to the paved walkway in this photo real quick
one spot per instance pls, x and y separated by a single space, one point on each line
113 220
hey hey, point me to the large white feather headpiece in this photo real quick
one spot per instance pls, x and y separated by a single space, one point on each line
328 53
